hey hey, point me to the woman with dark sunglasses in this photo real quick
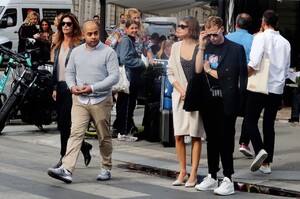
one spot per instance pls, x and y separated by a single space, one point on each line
68 36
180 68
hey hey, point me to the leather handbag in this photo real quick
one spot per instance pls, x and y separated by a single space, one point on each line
258 81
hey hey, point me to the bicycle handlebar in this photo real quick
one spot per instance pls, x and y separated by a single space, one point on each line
17 56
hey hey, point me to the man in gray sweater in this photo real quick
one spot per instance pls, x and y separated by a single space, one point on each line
91 72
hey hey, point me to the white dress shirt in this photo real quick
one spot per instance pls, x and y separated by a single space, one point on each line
279 51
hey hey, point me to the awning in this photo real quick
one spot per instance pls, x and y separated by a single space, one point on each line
158 7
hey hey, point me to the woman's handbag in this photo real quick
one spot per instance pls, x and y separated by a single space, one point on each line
258 81
123 84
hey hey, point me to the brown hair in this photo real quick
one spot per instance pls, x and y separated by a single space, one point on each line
50 31
77 34
129 22
213 21
194 28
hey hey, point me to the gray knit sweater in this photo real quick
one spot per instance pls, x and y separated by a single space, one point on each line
98 67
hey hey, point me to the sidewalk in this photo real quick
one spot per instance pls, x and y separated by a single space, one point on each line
284 179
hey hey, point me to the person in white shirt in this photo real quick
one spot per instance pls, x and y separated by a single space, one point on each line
278 50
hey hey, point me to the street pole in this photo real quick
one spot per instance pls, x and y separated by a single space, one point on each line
102 20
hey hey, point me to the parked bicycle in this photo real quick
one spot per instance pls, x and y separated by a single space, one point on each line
31 90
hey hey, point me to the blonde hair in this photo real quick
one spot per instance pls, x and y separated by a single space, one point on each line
128 15
30 16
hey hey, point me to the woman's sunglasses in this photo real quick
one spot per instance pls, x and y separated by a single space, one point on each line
182 26
66 23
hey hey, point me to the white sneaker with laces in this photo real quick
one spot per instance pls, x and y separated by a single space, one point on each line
226 188
61 174
104 175
265 169
208 184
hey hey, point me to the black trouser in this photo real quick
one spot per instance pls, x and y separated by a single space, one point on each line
255 104
63 109
125 106
245 137
220 132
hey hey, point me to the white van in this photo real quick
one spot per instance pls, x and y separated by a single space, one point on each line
14 12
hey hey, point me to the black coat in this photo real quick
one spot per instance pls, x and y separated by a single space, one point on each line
232 77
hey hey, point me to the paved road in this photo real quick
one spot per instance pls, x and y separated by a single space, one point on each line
24 163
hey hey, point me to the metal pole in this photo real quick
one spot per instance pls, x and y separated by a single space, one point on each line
102 20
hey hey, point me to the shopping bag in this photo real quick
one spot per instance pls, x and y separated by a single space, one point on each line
258 81
123 84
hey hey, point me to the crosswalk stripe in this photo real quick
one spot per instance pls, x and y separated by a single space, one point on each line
12 193
91 187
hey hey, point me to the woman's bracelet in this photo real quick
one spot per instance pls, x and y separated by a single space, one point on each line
201 48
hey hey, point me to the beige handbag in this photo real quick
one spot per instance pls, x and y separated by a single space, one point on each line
258 81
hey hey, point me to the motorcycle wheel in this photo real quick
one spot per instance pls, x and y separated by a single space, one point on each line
7 109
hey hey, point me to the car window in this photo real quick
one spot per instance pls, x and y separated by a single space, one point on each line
10 17
161 30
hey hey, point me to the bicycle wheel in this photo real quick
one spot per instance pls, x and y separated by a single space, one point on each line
7 109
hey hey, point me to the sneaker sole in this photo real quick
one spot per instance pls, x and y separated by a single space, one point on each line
246 153
224 194
256 164
54 175
268 172
207 189
102 179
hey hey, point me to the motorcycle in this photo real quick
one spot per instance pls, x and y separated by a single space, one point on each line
31 91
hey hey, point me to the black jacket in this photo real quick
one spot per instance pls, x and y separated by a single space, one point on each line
232 77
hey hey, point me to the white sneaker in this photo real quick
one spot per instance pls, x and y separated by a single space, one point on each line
226 188
104 175
61 174
208 184
259 159
265 169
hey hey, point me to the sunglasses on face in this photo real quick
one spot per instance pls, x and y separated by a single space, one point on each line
214 34
66 23
182 26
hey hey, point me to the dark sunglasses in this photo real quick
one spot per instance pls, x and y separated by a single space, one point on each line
214 34
66 23
182 26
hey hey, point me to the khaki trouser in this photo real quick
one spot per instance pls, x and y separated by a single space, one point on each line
81 115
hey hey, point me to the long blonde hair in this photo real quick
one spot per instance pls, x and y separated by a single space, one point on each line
128 15
30 16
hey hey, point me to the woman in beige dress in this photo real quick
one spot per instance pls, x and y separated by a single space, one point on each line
180 68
